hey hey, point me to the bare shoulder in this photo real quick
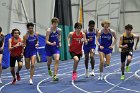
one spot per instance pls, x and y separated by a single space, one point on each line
59 29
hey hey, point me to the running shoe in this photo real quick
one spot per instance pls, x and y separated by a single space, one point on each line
31 82
122 77
50 72
74 76
55 78
14 81
127 68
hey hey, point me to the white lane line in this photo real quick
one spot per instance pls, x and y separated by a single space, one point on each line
84 74
117 85
98 69
136 74
64 73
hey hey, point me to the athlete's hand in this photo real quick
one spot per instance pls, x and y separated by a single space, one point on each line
60 44
1 48
54 43
101 47
36 45
90 39
135 47
125 46
68 45
82 40
111 47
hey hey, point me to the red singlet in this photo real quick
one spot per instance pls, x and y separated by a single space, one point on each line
15 51
76 44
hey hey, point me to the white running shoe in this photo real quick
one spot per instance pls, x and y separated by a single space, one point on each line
101 76
92 73
31 82
86 73
0 81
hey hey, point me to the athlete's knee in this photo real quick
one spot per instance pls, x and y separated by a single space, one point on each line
128 60
76 59
32 66
20 66
0 64
27 67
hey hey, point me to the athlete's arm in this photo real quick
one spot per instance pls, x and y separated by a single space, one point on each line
24 40
37 42
97 39
47 38
136 37
120 43
84 38
69 36
97 30
59 37
115 38
3 41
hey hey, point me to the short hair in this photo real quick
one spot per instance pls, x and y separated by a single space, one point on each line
105 22
128 26
30 24
91 22
0 29
55 20
77 25
14 30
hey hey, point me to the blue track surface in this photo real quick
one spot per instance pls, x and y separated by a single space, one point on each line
44 84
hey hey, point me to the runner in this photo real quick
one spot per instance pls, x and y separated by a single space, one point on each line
53 42
30 40
106 45
126 44
16 54
1 51
77 38
89 49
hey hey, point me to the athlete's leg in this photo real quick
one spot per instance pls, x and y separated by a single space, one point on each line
56 64
49 61
92 61
27 63
20 63
86 63
129 58
108 58
102 55
12 68
1 55
33 59
123 58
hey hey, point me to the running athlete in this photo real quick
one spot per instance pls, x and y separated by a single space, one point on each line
1 51
53 42
30 40
106 45
16 54
77 38
126 44
89 49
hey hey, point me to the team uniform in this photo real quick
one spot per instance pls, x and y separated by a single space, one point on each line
75 48
91 44
105 41
30 49
53 37
15 53
129 50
